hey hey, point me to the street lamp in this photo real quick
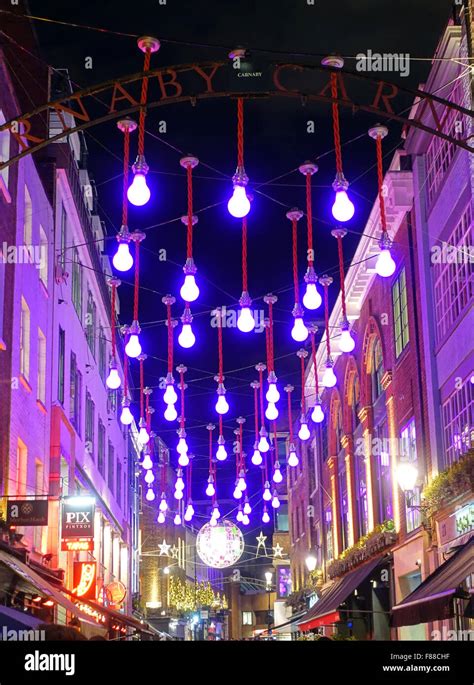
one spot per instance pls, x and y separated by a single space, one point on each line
311 562
407 476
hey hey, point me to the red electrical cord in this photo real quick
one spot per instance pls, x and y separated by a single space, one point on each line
240 132
294 226
148 413
170 338
189 479
341 276
137 280
270 364
255 391
275 444
220 347
181 385
125 375
189 245
244 255
211 470
126 161
142 387
290 420
112 318
335 123
143 98
315 368
262 415
383 218
326 320
303 398
309 219
220 424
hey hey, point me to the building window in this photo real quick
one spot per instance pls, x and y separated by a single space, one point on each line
75 408
102 354
61 360
413 498
91 322
25 339
383 474
329 535
453 277
361 486
281 518
101 449
4 148
76 284
27 219
400 313
377 370
344 507
355 402
111 468
458 422
90 424
43 270
118 491
62 255
247 618
41 380
21 468
338 426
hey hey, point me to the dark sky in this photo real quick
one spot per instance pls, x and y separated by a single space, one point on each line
276 142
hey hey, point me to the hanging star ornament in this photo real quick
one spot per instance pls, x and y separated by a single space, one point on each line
261 543
174 552
164 549
278 551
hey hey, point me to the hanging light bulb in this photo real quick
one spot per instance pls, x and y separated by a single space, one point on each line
186 338
161 517
256 456
265 515
189 513
143 437
215 512
245 319
312 298
247 507
271 412
267 495
182 446
277 475
178 494
303 432
183 459
342 209
292 456
177 520
138 192
241 484
122 259
179 485
150 495
126 416
133 349
113 379
263 444
240 514
385 266
239 204
275 500
213 521
222 406
221 454
237 494
317 414
170 413
329 377
149 477
189 290
163 503
210 490
147 462
299 332
272 394
245 520
170 396
346 341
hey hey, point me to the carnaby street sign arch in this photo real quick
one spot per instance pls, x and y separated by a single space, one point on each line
193 82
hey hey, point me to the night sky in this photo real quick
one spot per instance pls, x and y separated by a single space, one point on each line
276 142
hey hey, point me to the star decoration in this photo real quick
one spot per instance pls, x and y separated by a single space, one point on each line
174 552
164 549
261 543
278 551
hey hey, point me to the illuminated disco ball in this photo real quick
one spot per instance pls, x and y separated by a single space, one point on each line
220 546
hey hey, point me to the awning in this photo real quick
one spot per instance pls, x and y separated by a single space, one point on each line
38 583
325 611
432 599
17 620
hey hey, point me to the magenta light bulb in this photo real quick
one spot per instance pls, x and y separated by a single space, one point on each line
161 517
385 265
256 456
113 379
138 192
150 495
177 520
267 495
240 514
329 377
293 458
346 341
271 412
245 520
277 475
239 204
343 208
265 516
122 259
183 459
317 414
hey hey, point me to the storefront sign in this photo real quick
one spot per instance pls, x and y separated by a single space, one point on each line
115 593
27 512
86 545
85 579
78 517
465 519
283 582
457 524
